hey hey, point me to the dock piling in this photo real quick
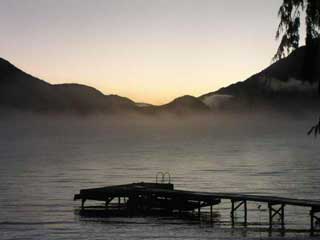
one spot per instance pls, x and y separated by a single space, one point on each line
82 203
245 213
236 204
314 219
276 212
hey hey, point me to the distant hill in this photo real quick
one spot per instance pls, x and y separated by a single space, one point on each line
185 104
22 91
280 86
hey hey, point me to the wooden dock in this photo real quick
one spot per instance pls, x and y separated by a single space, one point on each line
162 197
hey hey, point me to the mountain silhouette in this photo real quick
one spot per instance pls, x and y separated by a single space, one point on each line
280 86
185 104
20 90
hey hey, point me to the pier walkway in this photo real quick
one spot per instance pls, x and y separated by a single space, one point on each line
152 197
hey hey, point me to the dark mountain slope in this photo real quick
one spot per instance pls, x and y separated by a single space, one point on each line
185 104
281 85
22 91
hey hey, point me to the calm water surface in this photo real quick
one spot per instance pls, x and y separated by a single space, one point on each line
45 161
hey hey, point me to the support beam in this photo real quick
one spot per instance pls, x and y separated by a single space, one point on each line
211 214
314 219
232 213
131 204
282 216
245 213
108 200
235 205
270 217
83 200
273 212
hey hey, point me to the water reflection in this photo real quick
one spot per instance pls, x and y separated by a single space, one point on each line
43 163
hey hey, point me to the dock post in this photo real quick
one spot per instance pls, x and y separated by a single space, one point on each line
82 203
199 210
130 204
235 207
274 212
282 216
232 212
211 215
107 201
313 218
312 221
270 216
245 213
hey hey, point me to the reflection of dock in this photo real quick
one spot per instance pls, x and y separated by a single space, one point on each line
159 198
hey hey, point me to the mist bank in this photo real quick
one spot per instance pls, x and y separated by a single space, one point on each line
223 121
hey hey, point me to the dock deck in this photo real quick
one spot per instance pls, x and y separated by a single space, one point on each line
146 197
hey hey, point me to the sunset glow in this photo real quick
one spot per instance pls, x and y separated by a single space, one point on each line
149 51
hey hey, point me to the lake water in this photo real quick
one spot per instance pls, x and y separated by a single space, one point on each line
44 161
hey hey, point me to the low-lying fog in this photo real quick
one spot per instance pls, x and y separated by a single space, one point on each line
113 128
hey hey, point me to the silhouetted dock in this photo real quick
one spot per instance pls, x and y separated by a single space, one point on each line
162 197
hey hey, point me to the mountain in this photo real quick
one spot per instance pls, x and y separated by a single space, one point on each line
19 90
279 86
184 105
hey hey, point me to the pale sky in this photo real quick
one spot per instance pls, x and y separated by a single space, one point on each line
147 50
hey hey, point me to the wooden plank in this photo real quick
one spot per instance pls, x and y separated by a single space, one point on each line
253 198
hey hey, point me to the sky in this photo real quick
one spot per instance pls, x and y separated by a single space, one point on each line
148 50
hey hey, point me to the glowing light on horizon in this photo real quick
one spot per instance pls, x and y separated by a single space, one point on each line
149 51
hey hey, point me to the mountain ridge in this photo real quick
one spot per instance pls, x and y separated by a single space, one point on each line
23 91
279 84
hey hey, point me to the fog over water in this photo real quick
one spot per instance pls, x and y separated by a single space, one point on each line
45 160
